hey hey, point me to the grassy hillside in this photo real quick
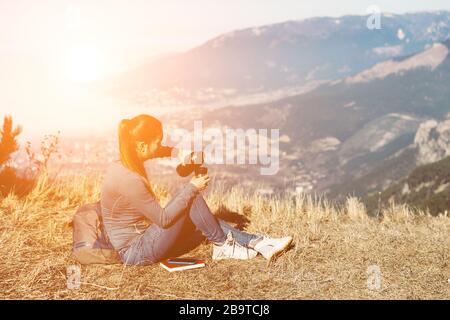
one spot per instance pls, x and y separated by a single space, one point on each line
334 246
379 175
425 188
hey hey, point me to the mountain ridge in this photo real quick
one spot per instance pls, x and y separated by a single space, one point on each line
291 53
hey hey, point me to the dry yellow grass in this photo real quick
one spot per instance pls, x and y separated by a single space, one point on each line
334 247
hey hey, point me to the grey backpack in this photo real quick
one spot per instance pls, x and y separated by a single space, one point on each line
90 243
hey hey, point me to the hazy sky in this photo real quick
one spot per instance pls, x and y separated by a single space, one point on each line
49 47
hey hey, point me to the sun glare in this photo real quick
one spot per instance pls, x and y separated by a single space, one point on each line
84 63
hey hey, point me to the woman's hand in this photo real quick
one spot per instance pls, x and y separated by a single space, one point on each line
200 182
183 155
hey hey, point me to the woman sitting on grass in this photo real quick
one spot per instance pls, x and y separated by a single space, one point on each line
128 204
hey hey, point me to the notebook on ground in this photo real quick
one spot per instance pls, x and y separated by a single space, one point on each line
179 264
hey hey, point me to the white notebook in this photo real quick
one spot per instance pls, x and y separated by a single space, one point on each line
179 264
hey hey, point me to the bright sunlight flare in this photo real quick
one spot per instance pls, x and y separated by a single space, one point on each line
84 63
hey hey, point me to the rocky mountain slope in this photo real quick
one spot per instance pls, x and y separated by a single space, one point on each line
352 128
433 141
426 184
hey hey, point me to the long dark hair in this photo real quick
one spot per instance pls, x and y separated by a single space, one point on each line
140 128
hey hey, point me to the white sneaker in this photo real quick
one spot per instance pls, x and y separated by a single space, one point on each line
232 250
271 247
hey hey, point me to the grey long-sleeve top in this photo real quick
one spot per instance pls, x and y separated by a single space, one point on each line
128 207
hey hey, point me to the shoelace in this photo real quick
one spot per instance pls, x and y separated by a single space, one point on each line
232 242
233 245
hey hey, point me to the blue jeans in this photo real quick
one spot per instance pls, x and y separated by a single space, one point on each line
156 243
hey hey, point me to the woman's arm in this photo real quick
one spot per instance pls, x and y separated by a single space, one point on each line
135 192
